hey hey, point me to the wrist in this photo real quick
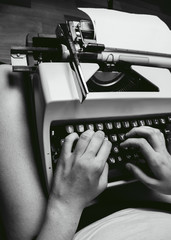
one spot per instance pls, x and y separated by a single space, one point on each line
60 220
63 205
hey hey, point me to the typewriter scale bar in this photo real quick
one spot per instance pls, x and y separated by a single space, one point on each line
115 130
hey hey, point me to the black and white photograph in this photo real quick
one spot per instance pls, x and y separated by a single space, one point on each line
85 120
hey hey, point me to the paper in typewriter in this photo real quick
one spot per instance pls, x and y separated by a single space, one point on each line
130 31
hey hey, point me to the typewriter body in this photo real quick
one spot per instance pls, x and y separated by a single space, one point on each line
78 84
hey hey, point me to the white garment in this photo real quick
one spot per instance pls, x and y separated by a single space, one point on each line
129 224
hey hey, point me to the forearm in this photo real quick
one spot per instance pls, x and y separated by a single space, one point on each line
61 221
80 176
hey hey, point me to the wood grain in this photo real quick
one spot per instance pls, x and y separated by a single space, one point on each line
44 15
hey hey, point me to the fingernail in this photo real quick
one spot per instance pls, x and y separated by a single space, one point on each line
126 135
100 133
128 166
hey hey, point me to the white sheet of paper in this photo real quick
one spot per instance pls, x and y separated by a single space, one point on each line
130 31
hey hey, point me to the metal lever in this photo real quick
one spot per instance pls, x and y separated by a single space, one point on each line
80 84
78 71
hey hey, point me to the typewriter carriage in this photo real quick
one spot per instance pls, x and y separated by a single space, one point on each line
112 75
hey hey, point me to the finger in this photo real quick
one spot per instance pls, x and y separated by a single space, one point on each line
68 144
154 136
104 178
95 143
141 176
66 152
83 142
104 152
145 149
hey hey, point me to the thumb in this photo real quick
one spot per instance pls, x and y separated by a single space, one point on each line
141 176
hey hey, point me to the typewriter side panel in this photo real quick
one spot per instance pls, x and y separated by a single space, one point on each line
40 108
48 85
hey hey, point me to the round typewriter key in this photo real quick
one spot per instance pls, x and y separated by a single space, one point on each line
99 126
125 124
119 159
117 125
69 129
113 138
111 160
80 128
109 125
128 157
167 130
115 149
121 136
90 126
156 121
141 123
134 123
149 122
162 121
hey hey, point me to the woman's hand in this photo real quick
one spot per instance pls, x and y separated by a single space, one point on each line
151 143
81 175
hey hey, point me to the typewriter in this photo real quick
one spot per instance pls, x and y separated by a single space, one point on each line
80 84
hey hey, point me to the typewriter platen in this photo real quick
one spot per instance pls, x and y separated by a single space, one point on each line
79 84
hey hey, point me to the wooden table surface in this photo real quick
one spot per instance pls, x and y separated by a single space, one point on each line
44 15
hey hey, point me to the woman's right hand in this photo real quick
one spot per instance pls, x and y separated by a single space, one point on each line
151 144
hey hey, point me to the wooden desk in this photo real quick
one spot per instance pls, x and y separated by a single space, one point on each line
25 3
44 15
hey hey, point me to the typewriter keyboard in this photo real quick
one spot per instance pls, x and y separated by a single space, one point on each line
115 130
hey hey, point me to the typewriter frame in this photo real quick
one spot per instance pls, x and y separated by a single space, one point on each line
49 56
58 100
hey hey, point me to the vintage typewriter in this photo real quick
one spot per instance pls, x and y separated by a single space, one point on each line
80 84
